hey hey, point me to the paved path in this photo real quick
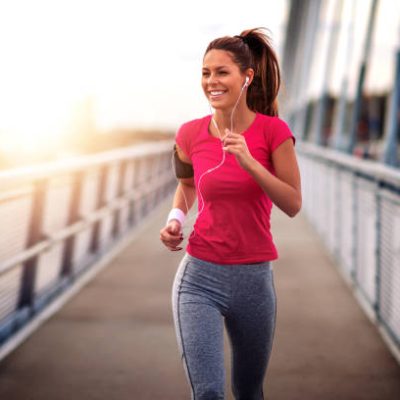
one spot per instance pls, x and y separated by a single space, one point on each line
114 340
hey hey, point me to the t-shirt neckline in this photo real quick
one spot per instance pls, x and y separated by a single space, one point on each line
245 132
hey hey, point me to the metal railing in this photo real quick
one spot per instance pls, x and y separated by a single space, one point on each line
354 205
58 219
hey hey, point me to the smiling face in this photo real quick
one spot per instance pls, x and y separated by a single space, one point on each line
222 79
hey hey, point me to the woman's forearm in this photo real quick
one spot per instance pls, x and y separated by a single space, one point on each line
185 196
284 196
283 188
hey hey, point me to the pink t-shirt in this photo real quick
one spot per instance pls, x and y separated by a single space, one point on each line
233 227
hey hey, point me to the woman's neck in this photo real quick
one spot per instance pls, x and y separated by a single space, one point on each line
242 119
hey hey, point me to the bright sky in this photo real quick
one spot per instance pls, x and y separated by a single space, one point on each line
137 63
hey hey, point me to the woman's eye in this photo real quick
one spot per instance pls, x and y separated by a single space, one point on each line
206 74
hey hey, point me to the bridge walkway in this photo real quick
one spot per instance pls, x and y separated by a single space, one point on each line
114 340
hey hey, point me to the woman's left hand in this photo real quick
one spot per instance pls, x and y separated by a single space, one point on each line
235 144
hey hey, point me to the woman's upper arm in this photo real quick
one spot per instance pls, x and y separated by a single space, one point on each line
188 181
182 156
285 164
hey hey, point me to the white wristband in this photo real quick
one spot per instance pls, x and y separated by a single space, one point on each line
176 213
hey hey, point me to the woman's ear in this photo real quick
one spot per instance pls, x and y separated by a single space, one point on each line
249 76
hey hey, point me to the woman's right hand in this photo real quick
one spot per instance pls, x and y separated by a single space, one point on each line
171 235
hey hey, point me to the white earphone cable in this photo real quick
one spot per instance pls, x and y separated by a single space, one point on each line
200 195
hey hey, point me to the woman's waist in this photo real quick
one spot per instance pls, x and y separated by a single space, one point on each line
219 254
209 263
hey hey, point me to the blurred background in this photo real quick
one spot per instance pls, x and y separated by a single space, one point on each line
342 76
91 95
83 75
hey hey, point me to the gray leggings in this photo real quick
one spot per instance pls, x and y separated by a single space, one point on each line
203 295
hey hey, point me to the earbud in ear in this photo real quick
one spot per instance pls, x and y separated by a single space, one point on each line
246 83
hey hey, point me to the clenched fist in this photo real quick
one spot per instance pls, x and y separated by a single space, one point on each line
171 235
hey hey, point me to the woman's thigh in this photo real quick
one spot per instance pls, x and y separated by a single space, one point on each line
250 325
199 329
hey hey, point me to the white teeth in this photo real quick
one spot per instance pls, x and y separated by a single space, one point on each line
216 93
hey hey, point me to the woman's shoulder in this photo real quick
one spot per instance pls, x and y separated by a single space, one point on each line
188 132
272 121
276 130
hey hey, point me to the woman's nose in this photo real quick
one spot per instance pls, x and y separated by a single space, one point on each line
211 80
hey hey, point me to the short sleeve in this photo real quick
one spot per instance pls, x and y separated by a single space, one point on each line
182 140
280 132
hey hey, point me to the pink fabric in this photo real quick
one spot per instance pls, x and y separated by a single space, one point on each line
234 226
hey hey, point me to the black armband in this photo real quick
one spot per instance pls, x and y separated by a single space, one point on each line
182 169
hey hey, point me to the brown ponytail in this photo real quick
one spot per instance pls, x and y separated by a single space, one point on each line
253 49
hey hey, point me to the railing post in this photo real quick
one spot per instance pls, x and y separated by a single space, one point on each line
120 192
73 216
94 246
144 175
353 271
154 180
26 295
133 187
378 224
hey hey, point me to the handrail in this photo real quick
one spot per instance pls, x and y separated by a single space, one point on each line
371 168
44 170
354 205
62 216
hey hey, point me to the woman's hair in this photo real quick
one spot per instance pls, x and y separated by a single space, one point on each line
253 49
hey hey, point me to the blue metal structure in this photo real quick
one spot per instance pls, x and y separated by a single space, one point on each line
349 151
391 154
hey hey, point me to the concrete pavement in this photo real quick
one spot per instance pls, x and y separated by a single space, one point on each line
115 340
